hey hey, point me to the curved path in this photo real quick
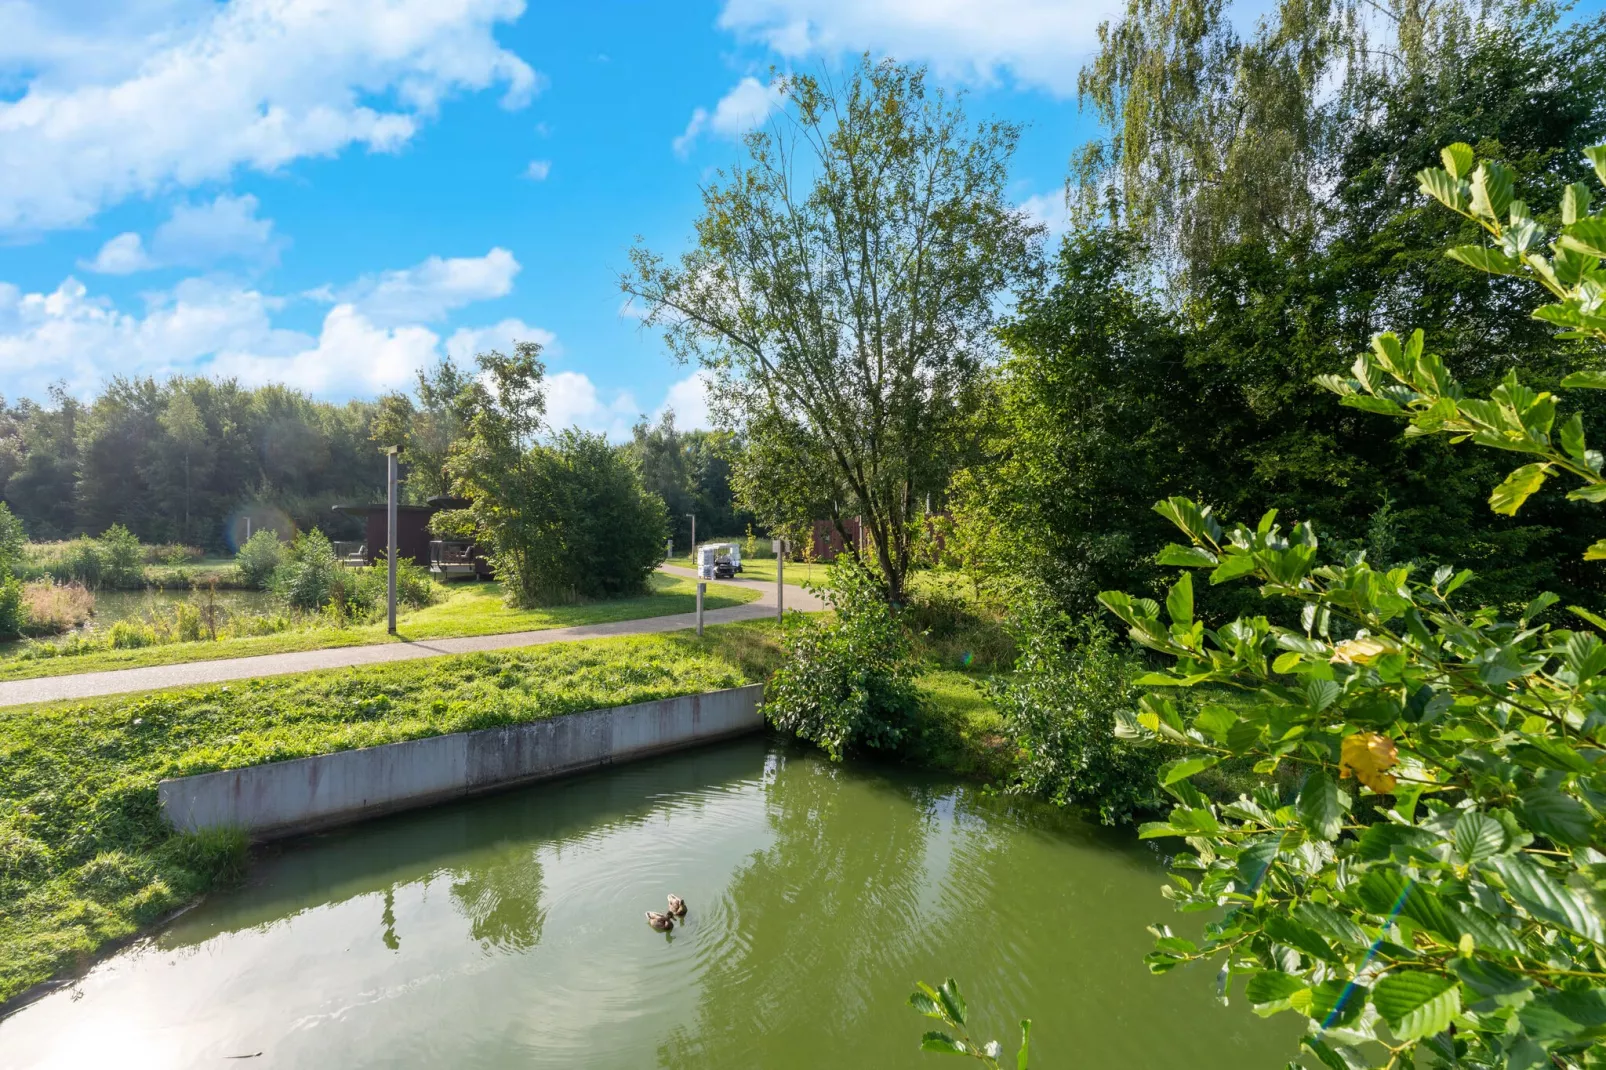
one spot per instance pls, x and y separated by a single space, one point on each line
121 681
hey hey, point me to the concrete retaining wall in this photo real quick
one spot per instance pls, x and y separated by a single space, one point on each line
285 798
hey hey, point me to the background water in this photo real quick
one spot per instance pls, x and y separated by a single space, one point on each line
113 606
508 932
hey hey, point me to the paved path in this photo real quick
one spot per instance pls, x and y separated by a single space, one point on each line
188 674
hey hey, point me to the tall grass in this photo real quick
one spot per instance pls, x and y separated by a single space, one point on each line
53 608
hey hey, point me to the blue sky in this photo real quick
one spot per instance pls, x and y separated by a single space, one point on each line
330 193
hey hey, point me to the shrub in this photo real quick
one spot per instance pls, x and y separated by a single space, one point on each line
259 556
565 520
79 561
311 576
122 558
848 681
1062 705
52 608
12 539
130 635
12 617
415 587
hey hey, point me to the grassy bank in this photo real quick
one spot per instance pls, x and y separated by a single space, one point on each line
86 859
468 609
764 569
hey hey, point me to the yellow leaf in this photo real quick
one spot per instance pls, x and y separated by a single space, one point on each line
1361 651
1367 757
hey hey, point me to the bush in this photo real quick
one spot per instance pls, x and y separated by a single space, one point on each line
52 608
1061 707
130 635
311 576
261 554
122 558
11 613
415 587
847 682
12 538
563 521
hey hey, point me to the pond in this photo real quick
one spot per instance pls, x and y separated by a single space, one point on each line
113 606
508 931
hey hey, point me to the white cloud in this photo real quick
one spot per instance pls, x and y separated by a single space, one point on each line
1043 43
122 255
351 355
195 235
207 326
538 170
746 106
1048 210
466 342
573 400
689 400
430 290
209 89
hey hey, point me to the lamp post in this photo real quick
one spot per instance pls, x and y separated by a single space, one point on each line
390 538
693 518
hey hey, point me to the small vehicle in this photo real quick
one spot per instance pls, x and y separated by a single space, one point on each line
724 568
729 552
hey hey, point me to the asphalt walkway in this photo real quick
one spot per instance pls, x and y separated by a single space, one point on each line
222 670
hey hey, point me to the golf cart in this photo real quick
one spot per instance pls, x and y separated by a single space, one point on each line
719 560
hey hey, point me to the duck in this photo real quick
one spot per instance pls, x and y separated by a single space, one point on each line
677 906
662 922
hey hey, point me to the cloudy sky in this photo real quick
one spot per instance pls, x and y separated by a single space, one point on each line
332 193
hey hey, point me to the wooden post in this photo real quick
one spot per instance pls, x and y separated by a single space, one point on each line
390 539
701 587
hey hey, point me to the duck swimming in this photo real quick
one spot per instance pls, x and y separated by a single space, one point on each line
662 922
677 906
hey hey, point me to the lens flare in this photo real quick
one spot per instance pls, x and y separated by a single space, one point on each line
253 517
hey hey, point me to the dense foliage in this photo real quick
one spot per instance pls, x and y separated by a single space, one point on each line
1097 407
1468 918
691 472
185 460
847 682
1061 704
841 294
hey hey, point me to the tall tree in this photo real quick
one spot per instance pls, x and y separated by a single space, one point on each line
844 285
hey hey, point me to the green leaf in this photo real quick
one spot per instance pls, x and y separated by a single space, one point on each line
1491 190
1596 155
1457 159
1492 261
1556 816
1594 618
1587 236
1438 184
1542 896
925 1001
1574 203
1272 988
1416 1005
1571 433
1476 837
1183 768
1320 806
1179 600
1185 557
943 1043
952 1002
1025 1043
1286 930
1596 551
1584 381
1325 919
1233 566
1518 486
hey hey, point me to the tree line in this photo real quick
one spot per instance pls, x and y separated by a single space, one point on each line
186 459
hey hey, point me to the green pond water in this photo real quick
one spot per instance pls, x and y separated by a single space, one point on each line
508 931
113 606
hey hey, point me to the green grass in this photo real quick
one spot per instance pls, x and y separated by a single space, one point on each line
85 856
466 609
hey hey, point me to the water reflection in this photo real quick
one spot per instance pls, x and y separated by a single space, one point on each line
508 931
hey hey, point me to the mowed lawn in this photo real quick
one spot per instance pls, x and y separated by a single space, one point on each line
764 569
464 609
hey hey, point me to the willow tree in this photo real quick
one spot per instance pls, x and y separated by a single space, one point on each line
842 292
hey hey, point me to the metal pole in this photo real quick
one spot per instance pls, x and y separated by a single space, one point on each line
780 568
390 540
693 539
701 587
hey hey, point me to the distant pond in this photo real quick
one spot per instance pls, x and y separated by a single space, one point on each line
508 932
113 606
